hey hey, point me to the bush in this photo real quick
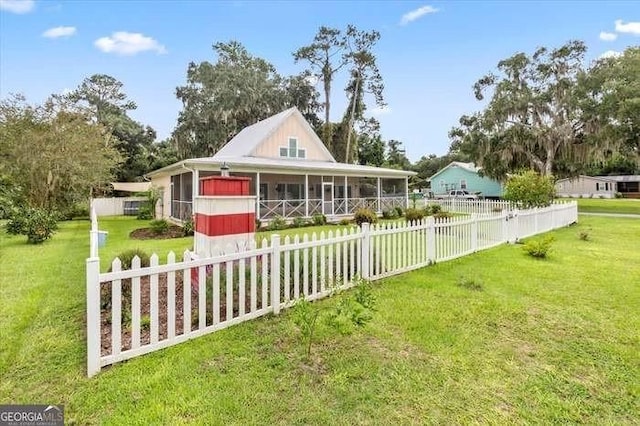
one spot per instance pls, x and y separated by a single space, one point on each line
365 215
414 214
144 213
434 209
277 223
529 189
443 215
299 222
618 195
399 211
345 222
126 257
159 226
258 224
389 214
319 219
188 227
37 224
538 247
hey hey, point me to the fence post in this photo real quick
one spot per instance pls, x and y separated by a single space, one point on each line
474 232
505 226
93 316
431 239
366 248
93 235
275 273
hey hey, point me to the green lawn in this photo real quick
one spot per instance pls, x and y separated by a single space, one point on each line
614 205
552 341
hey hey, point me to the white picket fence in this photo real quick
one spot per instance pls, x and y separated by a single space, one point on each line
170 303
472 206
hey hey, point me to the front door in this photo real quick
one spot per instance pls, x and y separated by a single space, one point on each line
327 199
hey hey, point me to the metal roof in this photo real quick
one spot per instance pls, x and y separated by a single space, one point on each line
622 178
283 166
467 166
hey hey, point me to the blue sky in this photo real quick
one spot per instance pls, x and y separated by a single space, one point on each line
429 60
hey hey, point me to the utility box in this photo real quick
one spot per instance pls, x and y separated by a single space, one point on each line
224 216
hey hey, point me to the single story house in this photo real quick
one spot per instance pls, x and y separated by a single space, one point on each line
292 174
599 186
458 175
586 186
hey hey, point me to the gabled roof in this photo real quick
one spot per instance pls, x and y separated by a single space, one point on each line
245 143
466 166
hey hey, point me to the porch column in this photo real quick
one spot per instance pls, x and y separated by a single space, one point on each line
406 191
379 194
258 195
306 195
195 184
346 197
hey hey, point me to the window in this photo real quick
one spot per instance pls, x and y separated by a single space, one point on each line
292 150
463 184
290 191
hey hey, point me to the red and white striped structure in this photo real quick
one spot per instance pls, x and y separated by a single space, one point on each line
224 216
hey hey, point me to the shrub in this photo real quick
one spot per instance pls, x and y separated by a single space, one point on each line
399 211
258 224
37 224
299 222
144 213
538 247
277 223
126 257
365 215
319 219
529 189
188 227
159 226
389 214
414 214
618 195
345 222
443 215
434 209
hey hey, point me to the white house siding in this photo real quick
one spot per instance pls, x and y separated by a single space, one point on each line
586 186
280 138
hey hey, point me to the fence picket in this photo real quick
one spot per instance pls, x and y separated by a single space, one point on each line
296 268
202 297
116 310
241 287
323 275
153 295
314 265
229 290
171 298
254 284
330 255
215 296
287 269
305 266
186 295
135 305
265 274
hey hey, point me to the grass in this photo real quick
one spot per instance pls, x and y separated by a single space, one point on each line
604 205
539 341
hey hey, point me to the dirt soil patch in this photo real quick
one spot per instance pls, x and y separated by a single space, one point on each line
174 231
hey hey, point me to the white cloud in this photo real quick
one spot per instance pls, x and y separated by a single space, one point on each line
125 43
416 14
17 6
605 36
628 28
610 54
57 32
378 111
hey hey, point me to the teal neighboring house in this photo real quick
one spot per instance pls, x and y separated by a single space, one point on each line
465 176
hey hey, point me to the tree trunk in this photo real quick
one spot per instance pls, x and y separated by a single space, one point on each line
350 121
327 106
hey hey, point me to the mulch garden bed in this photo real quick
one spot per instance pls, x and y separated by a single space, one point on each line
149 234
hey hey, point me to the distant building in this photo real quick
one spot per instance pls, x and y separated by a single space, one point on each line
599 186
458 175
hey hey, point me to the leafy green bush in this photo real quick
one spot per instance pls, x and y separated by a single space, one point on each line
159 226
299 222
434 209
529 189
126 257
344 222
144 213
37 224
399 211
538 247
390 214
364 215
618 195
414 214
277 223
443 215
188 227
319 219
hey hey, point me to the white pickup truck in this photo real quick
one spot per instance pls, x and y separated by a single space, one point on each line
457 194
